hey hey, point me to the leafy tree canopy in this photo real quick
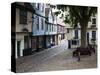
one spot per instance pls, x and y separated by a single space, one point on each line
77 14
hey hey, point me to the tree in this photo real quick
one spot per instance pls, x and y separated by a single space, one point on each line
78 14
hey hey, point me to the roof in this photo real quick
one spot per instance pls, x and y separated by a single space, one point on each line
24 5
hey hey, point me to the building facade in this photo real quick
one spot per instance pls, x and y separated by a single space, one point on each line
45 27
38 28
73 35
50 27
60 30
92 31
23 28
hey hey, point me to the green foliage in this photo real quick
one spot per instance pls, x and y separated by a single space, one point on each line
57 13
77 14
62 15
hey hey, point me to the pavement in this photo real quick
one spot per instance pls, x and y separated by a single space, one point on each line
54 59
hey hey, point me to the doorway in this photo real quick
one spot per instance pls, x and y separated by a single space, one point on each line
87 38
18 48
26 42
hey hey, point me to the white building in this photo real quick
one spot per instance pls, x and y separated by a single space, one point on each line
23 28
73 35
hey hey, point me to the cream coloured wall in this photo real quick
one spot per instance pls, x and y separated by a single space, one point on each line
19 26
59 39
19 33
70 35
20 37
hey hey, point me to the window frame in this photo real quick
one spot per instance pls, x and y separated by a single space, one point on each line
42 7
93 21
23 16
37 5
42 23
76 34
93 34
37 22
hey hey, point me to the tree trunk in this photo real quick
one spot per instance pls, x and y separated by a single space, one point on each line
83 34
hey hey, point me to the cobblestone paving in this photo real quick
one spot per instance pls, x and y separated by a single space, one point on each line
65 61
57 58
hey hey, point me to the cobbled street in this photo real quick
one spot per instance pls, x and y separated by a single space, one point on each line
55 58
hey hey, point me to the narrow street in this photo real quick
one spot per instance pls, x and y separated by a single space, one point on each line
55 58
